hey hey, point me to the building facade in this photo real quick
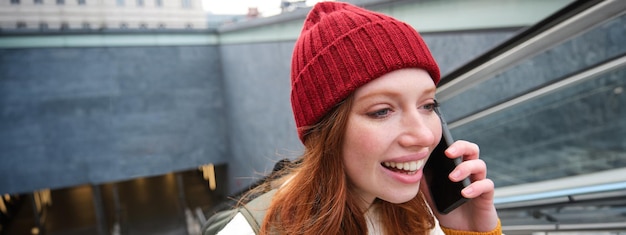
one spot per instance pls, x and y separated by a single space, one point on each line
86 15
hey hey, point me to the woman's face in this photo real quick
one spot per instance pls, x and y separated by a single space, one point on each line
392 129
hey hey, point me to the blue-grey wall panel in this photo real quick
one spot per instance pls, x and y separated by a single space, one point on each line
453 49
261 125
89 115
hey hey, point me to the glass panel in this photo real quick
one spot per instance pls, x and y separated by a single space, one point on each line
594 46
576 130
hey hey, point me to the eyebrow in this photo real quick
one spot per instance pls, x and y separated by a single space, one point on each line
431 90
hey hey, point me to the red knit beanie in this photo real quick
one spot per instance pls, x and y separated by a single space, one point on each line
342 47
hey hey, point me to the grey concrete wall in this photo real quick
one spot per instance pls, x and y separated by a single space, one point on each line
453 49
261 125
72 116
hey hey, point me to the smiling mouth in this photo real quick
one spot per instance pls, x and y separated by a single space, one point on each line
409 168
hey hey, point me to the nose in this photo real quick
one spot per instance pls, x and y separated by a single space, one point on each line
417 129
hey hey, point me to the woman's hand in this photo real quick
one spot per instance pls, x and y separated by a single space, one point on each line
479 213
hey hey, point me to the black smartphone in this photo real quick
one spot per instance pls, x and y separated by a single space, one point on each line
445 194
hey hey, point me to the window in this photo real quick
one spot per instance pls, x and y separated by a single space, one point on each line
120 2
189 26
21 25
143 26
15 1
158 3
86 25
186 3
43 26
161 26
38 2
60 2
81 2
140 3
123 26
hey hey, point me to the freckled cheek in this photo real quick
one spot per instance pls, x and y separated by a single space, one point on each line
363 141
365 144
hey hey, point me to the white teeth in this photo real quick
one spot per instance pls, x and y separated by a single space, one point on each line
407 166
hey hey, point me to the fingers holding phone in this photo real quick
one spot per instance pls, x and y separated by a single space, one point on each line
479 192
471 167
454 174
444 192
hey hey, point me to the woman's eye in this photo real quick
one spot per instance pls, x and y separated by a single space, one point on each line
379 113
430 106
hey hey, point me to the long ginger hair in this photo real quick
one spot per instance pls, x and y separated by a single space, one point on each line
316 197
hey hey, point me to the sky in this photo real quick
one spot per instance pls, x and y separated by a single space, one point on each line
228 7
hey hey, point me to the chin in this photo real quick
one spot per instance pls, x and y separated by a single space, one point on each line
402 197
